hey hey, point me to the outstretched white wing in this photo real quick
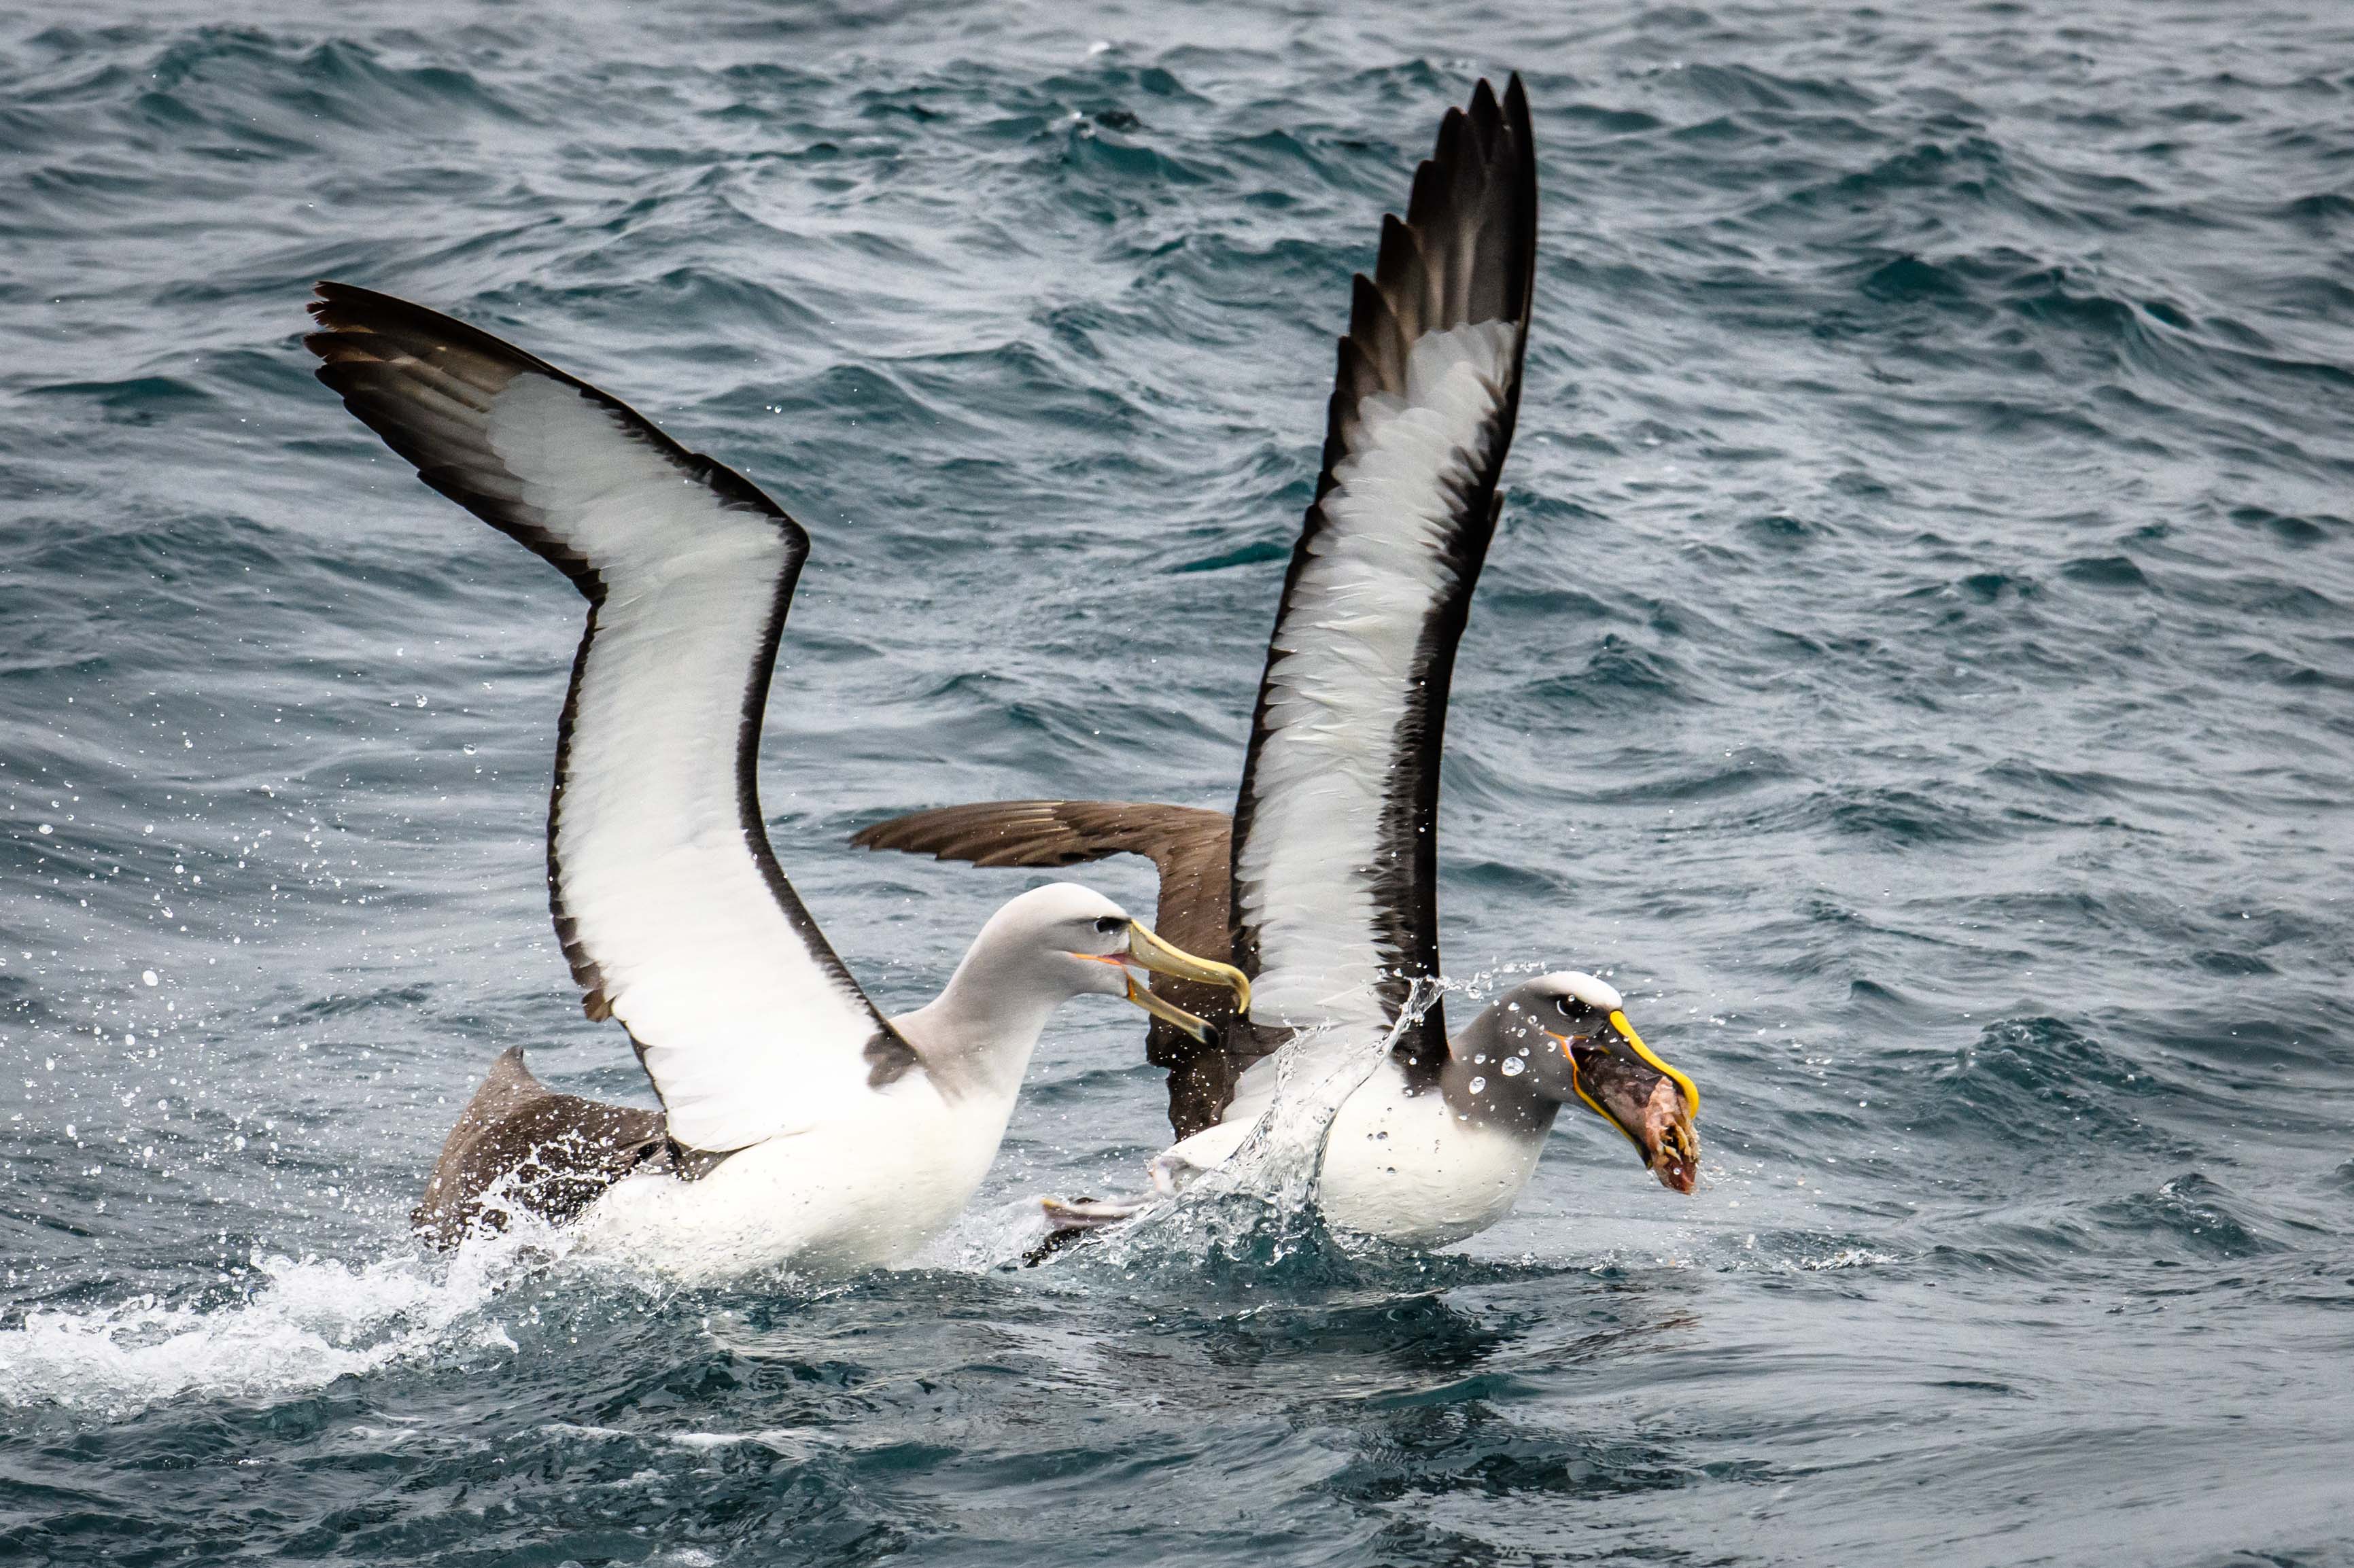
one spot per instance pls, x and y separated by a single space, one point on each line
667 898
1335 865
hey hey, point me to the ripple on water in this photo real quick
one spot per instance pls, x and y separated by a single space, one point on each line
2043 1084
1912 659
2189 1214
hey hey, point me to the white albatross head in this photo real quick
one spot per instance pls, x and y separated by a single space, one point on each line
1034 954
1064 941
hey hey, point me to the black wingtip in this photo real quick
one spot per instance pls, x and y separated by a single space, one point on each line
1482 108
348 313
1466 249
332 300
1464 254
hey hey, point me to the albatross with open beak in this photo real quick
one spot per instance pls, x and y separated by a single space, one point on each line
799 1126
1323 885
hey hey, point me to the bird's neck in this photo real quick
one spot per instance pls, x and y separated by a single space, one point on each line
976 1037
1475 1084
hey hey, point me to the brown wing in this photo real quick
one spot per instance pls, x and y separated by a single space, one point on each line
556 1153
1189 849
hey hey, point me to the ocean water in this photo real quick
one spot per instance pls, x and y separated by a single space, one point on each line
1916 663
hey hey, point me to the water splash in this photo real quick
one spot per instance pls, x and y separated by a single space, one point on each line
309 1321
1256 1209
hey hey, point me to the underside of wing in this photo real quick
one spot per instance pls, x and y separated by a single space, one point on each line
671 906
1335 865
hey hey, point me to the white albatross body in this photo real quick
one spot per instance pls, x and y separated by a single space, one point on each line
1399 1164
884 1174
866 1191
1410 1169
799 1126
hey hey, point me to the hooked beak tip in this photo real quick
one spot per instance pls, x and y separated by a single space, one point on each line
1169 1012
1148 950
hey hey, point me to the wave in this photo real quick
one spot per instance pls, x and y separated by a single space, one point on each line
308 1322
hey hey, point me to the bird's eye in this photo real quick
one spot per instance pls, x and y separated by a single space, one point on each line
1110 924
1572 1007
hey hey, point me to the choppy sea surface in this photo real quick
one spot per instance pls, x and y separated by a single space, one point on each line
1917 663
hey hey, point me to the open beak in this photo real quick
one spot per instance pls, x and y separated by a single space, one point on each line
1621 1081
1147 951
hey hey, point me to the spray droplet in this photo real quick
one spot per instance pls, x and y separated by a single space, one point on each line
1513 1067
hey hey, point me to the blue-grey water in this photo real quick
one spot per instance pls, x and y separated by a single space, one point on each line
1917 662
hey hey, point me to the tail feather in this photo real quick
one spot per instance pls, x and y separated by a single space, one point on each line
548 1153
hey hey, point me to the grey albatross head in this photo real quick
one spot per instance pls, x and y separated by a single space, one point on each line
1563 1039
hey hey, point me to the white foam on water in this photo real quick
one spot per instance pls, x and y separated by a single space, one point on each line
791 1442
1762 1261
1846 1258
308 1322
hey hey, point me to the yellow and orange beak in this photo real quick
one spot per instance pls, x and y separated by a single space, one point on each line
1627 1085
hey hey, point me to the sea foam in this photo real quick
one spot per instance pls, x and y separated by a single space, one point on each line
307 1322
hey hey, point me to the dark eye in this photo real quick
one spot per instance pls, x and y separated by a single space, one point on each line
1573 1009
1110 924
